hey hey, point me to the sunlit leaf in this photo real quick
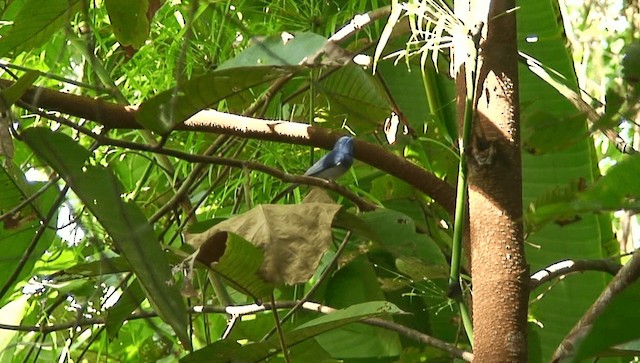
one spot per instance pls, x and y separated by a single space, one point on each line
164 111
36 22
12 314
224 351
18 230
284 49
129 21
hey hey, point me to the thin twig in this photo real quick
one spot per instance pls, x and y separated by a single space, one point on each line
30 199
253 309
34 242
188 183
283 343
363 204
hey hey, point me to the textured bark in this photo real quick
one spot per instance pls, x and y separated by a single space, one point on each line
498 266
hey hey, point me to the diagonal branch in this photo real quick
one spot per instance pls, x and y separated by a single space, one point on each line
627 275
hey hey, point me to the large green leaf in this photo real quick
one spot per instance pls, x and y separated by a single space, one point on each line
103 266
226 351
164 111
617 324
356 96
241 264
129 301
437 122
542 21
357 341
102 193
129 21
397 232
278 50
616 190
36 22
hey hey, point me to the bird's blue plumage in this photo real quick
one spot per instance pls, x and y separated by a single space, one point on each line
331 166
336 162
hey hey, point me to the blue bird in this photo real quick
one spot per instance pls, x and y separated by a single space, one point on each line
329 167
335 163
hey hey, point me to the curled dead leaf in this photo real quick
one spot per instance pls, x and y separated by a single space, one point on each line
293 238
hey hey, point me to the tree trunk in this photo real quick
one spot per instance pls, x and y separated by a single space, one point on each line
498 266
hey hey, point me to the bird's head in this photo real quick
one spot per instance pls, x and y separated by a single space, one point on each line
344 144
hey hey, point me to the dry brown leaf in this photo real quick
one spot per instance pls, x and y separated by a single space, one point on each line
293 238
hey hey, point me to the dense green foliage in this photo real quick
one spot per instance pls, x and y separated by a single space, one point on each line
99 266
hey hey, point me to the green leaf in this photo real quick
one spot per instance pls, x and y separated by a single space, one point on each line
170 108
225 351
545 132
36 22
631 63
101 193
129 301
79 288
241 264
616 190
15 189
278 50
436 118
354 94
357 311
617 324
129 21
357 341
611 118
397 232
354 223
584 239
554 204
18 231
13 93
100 267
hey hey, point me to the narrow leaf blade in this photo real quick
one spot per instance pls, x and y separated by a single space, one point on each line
100 191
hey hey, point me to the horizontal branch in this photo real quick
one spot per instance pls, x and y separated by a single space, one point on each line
571 266
253 309
114 116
